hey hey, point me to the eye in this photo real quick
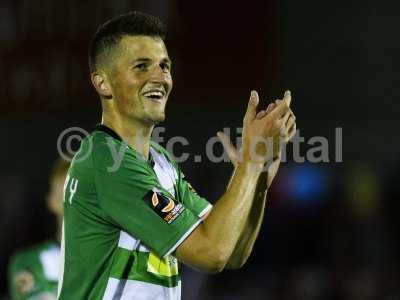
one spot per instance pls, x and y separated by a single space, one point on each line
141 66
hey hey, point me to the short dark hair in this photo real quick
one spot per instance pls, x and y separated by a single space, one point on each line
132 23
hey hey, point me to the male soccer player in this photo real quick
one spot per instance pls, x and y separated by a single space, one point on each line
33 272
129 214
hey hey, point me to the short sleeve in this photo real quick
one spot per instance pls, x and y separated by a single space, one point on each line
134 200
187 194
197 204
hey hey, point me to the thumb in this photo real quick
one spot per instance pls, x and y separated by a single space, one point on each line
252 106
287 97
228 146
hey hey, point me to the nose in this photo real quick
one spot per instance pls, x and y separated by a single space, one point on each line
158 73
161 77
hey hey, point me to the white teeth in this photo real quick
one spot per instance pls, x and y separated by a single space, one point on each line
154 94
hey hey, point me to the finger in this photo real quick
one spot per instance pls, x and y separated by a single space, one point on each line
228 146
261 114
282 130
289 123
252 106
292 114
292 131
290 128
286 117
287 97
270 107
280 109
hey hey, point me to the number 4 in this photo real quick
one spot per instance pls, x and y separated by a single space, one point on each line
73 186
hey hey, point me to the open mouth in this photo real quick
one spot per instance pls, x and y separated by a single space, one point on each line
154 95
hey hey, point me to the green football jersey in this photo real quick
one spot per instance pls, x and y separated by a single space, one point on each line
33 272
123 219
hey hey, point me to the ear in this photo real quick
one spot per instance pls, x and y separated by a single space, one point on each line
101 84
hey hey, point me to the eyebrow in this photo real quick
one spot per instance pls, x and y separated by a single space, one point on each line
142 59
146 59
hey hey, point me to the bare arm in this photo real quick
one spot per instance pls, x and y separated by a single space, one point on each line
212 243
251 230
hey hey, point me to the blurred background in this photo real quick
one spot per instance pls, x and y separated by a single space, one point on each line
331 228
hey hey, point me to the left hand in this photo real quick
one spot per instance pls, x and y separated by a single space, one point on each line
234 156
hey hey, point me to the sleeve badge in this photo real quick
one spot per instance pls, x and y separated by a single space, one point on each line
167 208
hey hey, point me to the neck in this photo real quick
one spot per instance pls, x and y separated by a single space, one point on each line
133 132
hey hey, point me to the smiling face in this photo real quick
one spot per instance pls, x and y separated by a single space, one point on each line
140 79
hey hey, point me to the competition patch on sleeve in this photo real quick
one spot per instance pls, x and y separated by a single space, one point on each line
167 208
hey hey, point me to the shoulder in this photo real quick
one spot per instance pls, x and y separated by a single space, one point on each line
97 150
111 156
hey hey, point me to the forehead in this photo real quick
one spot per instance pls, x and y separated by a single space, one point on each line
132 47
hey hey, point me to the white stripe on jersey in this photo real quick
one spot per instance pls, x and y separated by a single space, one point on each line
166 173
62 262
138 290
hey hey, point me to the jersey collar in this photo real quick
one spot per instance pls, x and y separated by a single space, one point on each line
112 133
108 130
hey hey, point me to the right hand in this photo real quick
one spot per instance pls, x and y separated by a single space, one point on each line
261 136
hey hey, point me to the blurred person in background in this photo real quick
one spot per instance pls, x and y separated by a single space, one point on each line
33 272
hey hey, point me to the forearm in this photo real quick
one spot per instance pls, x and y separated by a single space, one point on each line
229 215
211 244
252 228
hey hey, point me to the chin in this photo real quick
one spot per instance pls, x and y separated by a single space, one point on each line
157 119
160 119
